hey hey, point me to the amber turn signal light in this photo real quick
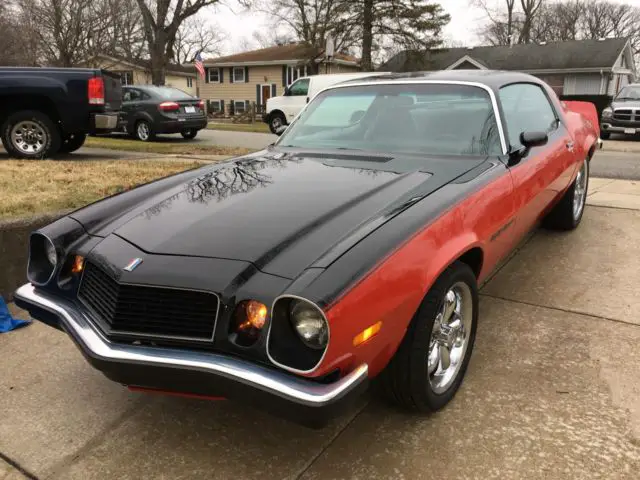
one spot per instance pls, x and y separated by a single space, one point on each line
255 315
78 264
366 334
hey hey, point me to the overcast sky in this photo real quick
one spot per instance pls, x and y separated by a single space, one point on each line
239 24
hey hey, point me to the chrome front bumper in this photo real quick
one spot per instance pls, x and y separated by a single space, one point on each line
178 370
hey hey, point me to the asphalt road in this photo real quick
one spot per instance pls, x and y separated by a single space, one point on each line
624 165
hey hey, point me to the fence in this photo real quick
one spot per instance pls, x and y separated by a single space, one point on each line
249 113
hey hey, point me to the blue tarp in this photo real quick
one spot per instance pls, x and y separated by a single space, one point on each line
7 322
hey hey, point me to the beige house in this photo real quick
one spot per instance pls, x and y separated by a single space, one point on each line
234 82
139 72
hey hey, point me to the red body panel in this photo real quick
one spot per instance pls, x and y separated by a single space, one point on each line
394 289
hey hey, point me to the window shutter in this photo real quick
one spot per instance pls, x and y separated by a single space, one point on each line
274 91
222 106
231 75
206 75
221 74
247 105
258 94
232 107
246 74
284 76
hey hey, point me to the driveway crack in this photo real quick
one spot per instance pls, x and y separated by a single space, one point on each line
18 467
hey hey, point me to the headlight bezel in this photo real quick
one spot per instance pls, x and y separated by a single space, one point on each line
40 269
303 307
607 112
285 348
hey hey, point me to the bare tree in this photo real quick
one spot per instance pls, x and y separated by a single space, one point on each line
530 9
11 43
272 38
162 20
196 36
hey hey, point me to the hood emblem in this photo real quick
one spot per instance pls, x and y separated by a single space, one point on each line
132 265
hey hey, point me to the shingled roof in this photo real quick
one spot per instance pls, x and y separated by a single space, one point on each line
292 52
575 54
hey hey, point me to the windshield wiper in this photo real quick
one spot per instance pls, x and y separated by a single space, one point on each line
628 98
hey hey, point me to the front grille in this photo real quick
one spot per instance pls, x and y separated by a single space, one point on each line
623 114
147 311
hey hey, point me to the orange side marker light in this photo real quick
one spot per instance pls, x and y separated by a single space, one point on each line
366 334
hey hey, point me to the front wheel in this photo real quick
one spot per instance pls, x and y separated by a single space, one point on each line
605 135
189 134
428 368
143 131
30 134
567 214
276 122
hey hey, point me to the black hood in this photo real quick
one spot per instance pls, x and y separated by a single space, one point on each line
283 212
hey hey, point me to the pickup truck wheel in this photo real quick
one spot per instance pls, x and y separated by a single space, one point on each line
276 121
567 214
143 131
30 134
189 134
428 368
605 135
72 143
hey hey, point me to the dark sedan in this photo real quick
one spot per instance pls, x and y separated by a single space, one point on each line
148 110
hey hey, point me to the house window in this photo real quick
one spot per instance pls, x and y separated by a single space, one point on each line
239 106
215 106
214 75
189 82
238 75
294 73
126 77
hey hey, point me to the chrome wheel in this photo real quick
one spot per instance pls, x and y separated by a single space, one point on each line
580 190
276 123
29 137
144 132
450 337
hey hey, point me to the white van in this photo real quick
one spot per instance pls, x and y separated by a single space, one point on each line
282 110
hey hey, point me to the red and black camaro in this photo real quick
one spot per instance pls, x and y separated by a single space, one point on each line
350 250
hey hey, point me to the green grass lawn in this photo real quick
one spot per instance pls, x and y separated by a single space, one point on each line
258 127
179 147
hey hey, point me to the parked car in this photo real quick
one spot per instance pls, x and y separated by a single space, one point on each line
148 110
347 251
44 111
280 111
623 115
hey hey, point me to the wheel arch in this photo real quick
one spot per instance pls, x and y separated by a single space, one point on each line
10 104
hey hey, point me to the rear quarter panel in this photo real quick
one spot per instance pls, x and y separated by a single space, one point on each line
582 120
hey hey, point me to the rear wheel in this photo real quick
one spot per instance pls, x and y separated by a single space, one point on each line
143 131
276 121
428 368
189 134
30 134
72 142
567 214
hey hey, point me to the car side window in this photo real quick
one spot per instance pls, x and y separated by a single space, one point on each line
126 95
132 95
526 109
300 88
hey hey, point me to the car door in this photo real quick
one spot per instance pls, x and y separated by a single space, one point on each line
541 174
130 103
295 98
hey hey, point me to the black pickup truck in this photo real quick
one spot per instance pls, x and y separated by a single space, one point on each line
44 111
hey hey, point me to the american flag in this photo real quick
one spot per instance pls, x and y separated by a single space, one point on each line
200 65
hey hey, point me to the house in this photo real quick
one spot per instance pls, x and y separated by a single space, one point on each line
139 72
576 68
233 82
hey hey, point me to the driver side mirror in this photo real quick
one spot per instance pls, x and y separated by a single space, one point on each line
533 139
527 140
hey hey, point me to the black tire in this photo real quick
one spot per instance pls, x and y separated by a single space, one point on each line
276 120
563 216
406 379
189 134
45 130
605 135
139 131
72 143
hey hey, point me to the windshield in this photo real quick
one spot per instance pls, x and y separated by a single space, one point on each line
168 93
400 118
629 93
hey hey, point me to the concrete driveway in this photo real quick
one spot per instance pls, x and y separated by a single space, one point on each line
552 391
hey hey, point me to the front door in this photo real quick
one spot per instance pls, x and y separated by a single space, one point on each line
266 94
296 98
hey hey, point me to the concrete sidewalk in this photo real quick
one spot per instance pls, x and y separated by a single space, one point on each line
552 391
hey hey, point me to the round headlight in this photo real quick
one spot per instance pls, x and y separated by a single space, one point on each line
607 112
50 250
310 324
